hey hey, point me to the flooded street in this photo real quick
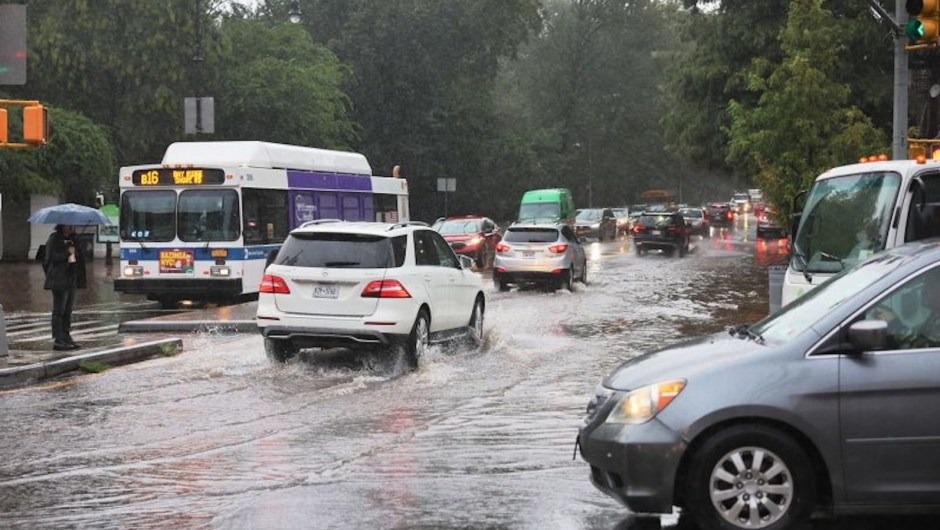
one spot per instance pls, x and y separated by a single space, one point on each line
217 437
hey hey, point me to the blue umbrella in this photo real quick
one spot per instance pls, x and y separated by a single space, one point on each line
69 214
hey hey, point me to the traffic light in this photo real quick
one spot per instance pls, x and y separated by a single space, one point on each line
12 44
924 24
35 125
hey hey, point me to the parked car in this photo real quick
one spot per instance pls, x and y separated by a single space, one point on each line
666 231
720 214
622 215
367 285
539 253
471 235
830 404
697 221
767 224
597 223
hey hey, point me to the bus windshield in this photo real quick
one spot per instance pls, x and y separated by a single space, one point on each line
148 215
845 220
195 216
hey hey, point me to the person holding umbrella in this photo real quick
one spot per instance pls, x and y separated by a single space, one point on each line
65 273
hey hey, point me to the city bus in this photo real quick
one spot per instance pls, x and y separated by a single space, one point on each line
852 212
199 226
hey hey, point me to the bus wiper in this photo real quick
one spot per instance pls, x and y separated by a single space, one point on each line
341 263
800 256
830 257
139 240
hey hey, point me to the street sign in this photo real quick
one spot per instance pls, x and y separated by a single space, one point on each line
447 185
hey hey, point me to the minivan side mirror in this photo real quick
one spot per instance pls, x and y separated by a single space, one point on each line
868 335
466 262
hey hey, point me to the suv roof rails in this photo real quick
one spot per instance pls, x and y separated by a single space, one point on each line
319 222
406 223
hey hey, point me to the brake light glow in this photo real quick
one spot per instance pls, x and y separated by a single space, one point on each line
385 289
502 247
558 249
273 285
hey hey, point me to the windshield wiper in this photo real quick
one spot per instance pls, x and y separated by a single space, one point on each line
830 257
800 256
746 331
293 259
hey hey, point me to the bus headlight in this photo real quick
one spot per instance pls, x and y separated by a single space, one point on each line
133 271
220 272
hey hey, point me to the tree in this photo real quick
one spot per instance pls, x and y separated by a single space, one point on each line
803 122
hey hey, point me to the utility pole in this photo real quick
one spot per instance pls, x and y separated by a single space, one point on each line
901 84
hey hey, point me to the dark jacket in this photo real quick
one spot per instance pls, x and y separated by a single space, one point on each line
60 274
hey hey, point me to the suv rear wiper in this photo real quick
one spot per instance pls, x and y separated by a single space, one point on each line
293 259
800 256
340 263
746 331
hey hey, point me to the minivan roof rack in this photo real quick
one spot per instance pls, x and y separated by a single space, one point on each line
319 222
406 223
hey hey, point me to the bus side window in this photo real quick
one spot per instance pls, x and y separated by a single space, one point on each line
265 216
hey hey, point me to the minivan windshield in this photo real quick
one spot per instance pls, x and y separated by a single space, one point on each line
844 221
540 210
810 308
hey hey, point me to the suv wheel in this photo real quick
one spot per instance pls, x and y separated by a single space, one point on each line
751 476
567 280
417 343
584 279
279 351
475 327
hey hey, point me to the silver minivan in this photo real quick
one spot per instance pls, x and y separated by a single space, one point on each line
832 404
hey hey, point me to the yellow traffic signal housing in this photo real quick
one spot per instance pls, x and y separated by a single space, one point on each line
924 24
4 137
35 125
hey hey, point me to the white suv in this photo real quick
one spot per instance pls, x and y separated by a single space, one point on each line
356 285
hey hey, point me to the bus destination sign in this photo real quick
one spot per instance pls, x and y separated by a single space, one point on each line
166 176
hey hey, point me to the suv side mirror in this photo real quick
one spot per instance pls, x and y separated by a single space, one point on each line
868 335
466 262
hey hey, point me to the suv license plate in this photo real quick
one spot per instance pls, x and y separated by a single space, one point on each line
325 291
657 232
528 253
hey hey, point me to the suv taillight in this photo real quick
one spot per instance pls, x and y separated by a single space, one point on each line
385 289
502 247
558 249
273 285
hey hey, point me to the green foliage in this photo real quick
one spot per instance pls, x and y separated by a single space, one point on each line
803 122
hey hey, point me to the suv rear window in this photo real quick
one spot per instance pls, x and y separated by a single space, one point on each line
656 220
531 235
351 251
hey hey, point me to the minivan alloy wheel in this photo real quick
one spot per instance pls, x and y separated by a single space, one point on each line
751 487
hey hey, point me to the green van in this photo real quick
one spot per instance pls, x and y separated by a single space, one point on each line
548 205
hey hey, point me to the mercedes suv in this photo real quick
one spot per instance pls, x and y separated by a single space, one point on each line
367 285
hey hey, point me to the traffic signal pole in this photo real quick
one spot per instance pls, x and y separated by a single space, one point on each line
901 85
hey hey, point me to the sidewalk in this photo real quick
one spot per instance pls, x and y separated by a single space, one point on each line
23 366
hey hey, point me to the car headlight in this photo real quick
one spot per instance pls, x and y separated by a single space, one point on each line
596 225
643 404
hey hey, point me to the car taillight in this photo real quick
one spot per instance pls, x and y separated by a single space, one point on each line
637 229
273 285
558 249
730 215
502 247
385 289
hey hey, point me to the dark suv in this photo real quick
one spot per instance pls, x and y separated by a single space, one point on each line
666 231
720 214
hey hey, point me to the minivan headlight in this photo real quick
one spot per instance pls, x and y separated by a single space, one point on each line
643 404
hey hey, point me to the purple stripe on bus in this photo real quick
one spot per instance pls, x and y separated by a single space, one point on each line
316 180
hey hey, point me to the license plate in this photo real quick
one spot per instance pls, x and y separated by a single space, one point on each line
325 291
528 253
657 232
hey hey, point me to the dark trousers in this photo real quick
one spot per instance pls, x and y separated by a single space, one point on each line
63 300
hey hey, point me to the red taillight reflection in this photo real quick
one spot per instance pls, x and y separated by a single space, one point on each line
385 289
273 285
502 247
558 249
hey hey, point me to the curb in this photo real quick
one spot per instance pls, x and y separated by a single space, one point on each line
232 326
22 375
